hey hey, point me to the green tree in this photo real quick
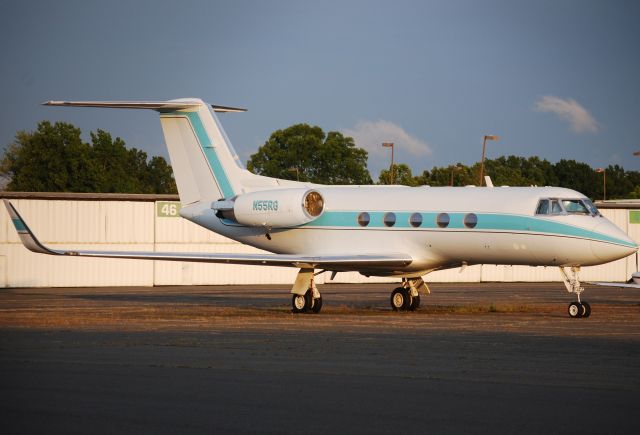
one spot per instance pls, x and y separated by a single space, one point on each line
401 175
441 176
577 176
54 159
305 152
159 176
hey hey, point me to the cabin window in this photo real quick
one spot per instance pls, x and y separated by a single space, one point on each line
364 219
415 220
442 220
575 206
389 219
556 208
543 207
470 220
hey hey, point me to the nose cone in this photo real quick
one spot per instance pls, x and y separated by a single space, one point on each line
612 243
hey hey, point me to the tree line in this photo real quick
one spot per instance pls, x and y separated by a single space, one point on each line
54 158
306 153
531 171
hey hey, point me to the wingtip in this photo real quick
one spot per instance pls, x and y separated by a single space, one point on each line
27 238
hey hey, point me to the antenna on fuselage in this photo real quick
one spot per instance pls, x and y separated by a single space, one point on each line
487 181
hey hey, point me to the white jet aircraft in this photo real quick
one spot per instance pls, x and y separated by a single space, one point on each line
398 231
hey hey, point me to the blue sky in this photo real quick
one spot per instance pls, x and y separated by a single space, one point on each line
556 79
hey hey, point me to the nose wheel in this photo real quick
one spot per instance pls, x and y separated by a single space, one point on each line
577 308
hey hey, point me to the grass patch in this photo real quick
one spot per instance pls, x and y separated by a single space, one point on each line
479 308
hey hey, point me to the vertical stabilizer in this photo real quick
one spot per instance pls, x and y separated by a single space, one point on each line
204 162
205 165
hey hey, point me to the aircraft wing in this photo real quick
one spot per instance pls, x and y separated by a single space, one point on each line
332 262
634 282
615 284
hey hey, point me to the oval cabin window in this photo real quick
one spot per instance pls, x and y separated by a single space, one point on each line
363 219
443 220
470 220
415 220
389 219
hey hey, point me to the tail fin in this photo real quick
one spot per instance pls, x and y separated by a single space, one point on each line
205 165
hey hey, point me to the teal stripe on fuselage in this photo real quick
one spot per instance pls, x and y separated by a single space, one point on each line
209 151
486 221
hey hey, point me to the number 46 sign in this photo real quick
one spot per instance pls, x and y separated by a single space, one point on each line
167 209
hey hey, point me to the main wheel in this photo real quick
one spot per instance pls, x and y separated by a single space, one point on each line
586 309
317 305
302 303
575 310
415 303
400 299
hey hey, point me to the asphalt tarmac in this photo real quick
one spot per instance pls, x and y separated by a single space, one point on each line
476 358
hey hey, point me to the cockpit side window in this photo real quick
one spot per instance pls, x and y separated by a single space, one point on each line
556 208
575 206
592 208
543 207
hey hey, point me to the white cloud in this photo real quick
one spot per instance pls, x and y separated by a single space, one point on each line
370 135
569 110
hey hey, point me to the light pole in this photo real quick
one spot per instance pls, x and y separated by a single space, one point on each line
390 145
484 146
453 169
604 182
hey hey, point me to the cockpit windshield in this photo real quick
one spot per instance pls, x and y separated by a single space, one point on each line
575 206
562 206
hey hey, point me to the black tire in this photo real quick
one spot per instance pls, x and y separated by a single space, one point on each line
302 304
586 309
317 305
415 303
575 310
400 299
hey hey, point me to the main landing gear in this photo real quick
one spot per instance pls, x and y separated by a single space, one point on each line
407 297
306 296
307 303
572 283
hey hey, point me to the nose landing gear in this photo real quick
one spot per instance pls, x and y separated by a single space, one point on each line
577 308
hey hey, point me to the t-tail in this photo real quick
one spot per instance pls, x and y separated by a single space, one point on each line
205 164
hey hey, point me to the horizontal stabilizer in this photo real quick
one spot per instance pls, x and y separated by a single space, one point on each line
151 105
332 262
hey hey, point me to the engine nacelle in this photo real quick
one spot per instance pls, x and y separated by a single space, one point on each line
272 208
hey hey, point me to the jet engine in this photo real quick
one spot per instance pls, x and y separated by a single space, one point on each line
272 208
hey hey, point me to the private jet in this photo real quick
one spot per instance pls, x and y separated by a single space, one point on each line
392 231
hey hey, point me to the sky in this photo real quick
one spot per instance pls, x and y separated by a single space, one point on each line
556 79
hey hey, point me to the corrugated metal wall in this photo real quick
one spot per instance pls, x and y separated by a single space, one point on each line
138 225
